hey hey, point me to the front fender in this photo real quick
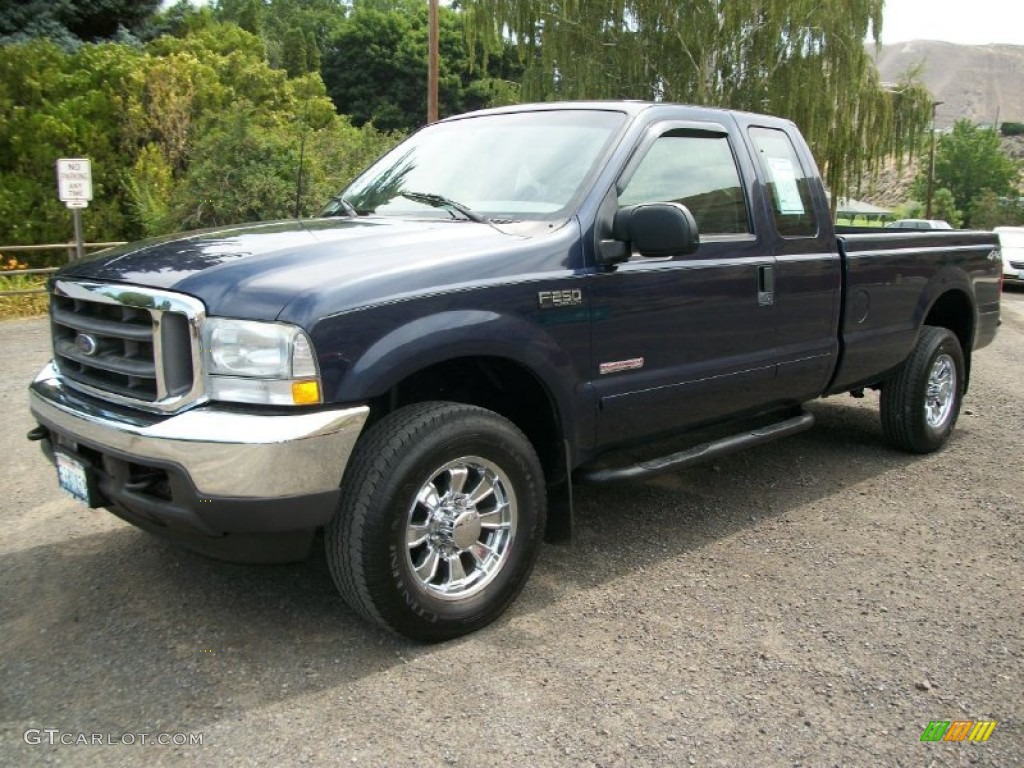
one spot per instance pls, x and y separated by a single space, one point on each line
378 365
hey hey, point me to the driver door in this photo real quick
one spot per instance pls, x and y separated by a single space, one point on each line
689 339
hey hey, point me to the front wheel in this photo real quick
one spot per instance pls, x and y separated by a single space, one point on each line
440 521
921 402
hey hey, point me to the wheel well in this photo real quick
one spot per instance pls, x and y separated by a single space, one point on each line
953 310
494 383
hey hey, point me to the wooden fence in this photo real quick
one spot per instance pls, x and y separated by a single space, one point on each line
69 247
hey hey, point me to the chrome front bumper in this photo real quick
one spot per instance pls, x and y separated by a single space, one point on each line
225 453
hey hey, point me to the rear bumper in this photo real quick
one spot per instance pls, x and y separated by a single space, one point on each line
1013 268
207 473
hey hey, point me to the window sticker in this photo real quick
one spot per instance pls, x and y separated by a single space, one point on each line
787 195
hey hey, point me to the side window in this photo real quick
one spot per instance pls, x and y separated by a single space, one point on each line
697 170
788 186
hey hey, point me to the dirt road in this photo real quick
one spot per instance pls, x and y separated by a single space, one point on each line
816 602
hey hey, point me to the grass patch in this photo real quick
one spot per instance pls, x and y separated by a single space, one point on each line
21 305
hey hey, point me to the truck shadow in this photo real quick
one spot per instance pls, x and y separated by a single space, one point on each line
119 623
683 510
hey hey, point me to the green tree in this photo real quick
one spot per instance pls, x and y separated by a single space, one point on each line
250 16
178 20
375 67
295 56
312 53
187 131
149 186
275 20
970 162
261 181
989 211
803 59
944 207
54 104
73 20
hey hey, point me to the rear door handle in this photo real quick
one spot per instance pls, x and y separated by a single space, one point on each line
765 285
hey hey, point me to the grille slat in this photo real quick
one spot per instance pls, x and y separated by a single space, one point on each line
135 345
124 365
126 386
88 324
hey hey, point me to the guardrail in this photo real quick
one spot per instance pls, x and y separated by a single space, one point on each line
69 247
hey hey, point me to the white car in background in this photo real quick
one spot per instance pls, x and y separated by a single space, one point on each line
919 224
1011 243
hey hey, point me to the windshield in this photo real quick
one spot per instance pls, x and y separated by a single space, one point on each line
526 165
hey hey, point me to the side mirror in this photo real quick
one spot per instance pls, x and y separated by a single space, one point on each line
657 229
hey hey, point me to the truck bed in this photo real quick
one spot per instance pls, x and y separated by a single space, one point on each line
891 280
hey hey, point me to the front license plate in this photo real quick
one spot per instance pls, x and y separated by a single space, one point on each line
75 479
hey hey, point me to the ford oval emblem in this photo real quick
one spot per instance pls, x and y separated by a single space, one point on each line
86 344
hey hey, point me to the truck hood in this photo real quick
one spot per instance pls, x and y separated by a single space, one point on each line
257 271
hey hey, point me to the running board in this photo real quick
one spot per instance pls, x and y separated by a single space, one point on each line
698 453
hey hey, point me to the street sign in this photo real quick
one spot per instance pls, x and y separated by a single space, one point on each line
74 188
74 182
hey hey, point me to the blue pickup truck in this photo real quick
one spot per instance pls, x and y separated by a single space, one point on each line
508 302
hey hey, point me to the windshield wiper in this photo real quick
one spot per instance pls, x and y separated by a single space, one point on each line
345 206
439 201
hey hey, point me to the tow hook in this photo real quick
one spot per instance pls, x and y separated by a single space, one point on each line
37 434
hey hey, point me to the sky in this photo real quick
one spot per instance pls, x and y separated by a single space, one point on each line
974 22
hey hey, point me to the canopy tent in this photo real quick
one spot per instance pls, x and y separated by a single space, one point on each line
851 209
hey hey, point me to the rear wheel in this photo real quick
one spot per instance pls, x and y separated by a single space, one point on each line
440 520
921 402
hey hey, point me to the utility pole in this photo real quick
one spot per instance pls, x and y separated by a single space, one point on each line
931 166
298 179
432 64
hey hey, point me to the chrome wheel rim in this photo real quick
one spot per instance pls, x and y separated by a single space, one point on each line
459 529
941 392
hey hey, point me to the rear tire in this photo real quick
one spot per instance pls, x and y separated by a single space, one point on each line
921 402
440 521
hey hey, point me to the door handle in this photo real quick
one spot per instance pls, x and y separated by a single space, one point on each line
765 286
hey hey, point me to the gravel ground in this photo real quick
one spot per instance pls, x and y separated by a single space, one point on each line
815 602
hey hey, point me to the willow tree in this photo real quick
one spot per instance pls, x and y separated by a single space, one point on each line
801 59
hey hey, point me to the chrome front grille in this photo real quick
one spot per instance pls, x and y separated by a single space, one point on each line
127 344
106 346
1017 264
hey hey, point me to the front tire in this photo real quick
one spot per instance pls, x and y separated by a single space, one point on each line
440 521
921 402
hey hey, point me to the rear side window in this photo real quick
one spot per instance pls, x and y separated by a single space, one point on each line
788 186
697 170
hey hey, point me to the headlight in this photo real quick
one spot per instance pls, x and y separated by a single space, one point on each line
255 362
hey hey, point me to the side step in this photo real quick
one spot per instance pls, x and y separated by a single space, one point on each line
698 453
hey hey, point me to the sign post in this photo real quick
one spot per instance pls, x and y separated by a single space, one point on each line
74 188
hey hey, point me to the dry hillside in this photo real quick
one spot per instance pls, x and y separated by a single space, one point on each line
891 187
983 83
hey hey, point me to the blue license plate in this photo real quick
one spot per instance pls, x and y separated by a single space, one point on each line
75 479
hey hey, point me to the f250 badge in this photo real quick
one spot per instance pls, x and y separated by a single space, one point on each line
552 299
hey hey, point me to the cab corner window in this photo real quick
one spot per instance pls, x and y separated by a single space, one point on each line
697 170
787 182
